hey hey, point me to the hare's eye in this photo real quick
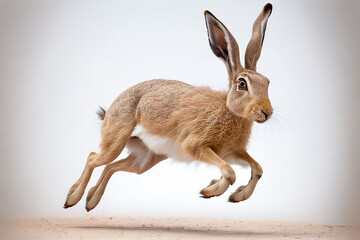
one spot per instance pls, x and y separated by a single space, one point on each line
241 84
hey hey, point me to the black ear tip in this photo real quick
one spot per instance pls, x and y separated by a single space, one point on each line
268 7
208 13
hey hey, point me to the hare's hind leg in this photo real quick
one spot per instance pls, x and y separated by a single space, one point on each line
139 161
114 139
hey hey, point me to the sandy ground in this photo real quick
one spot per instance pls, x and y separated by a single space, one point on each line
135 228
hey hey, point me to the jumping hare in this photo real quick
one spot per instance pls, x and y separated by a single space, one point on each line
160 119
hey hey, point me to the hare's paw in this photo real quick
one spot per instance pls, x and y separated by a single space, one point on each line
77 190
93 197
211 183
216 188
73 196
241 194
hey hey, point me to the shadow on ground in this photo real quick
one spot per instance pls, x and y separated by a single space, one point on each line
192 231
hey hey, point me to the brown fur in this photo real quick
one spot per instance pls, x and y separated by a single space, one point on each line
209 126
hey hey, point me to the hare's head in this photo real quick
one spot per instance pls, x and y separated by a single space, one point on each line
248 90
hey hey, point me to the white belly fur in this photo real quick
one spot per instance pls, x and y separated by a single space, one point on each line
170 148
161 145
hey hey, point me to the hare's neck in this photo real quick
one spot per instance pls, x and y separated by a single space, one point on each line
238 127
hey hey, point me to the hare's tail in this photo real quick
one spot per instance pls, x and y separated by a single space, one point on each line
101 113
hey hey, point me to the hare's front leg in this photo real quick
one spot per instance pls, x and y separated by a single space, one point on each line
216 187
244 192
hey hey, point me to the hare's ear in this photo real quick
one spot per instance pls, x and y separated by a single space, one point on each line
253 49
223 44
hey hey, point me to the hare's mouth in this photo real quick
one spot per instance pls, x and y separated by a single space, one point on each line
260 121
261 117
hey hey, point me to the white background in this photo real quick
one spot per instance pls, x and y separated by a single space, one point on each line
60 59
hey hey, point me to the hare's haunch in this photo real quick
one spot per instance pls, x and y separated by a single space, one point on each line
161 119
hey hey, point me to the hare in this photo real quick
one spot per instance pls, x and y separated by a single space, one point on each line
160 119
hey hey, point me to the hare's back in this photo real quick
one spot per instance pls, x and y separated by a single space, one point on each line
150 100
160 98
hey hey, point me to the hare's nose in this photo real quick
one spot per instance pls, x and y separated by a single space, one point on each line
266 115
